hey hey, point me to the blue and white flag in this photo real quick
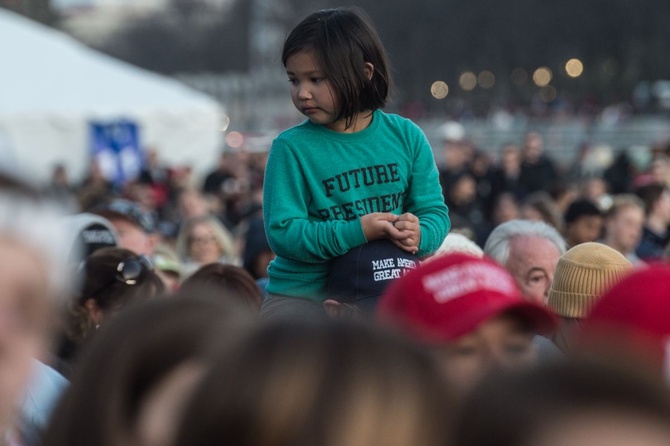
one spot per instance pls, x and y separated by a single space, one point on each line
115 147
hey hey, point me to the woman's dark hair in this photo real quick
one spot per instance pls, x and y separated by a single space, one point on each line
321 383
99 280
224 282
511 408
343 40
129 356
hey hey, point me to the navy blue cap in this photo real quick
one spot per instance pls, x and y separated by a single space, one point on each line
361 275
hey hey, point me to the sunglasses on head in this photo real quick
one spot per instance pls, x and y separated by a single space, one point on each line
130 269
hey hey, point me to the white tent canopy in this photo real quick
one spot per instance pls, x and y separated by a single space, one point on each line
52 87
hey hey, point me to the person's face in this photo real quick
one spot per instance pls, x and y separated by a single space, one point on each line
464 190
506 209
585 229
481 164
500 342
531 213
511 159
659 171
202 244
625 229
595 188
534 147
191 204
662 206
455 155
24 319
143 194
532 261
311 91
133 237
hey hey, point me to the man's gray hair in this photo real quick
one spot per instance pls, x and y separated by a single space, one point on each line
497 244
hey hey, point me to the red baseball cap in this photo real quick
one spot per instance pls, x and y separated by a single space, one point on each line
452 295
634 315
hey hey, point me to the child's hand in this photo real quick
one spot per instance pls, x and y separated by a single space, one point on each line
408 232
377 225
403 230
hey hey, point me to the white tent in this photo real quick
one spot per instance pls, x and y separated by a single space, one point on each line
52 87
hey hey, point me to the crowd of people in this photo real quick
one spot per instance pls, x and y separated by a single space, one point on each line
309 299
527 339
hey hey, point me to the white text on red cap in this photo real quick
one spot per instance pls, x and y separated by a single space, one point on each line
459 280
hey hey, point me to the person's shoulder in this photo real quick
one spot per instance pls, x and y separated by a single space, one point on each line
295 140
299 130
45 387
403 128
395 120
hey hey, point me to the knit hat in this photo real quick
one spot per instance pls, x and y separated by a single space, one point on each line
634 314
362 274
455 242
453 294
582 274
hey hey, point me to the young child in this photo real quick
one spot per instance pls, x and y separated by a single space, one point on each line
350 173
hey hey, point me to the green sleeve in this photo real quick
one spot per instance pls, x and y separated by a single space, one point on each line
291 231
424 197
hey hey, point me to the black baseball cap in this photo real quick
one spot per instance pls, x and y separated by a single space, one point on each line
129 210
87 233
361 275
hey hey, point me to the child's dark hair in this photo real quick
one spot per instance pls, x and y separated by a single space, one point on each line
343 40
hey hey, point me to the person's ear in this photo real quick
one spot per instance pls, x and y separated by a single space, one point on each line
369 70
333 308
94 311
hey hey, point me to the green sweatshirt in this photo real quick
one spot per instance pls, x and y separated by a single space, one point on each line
318 183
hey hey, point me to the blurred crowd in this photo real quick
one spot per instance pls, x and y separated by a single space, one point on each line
185 219
129 315
616 197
